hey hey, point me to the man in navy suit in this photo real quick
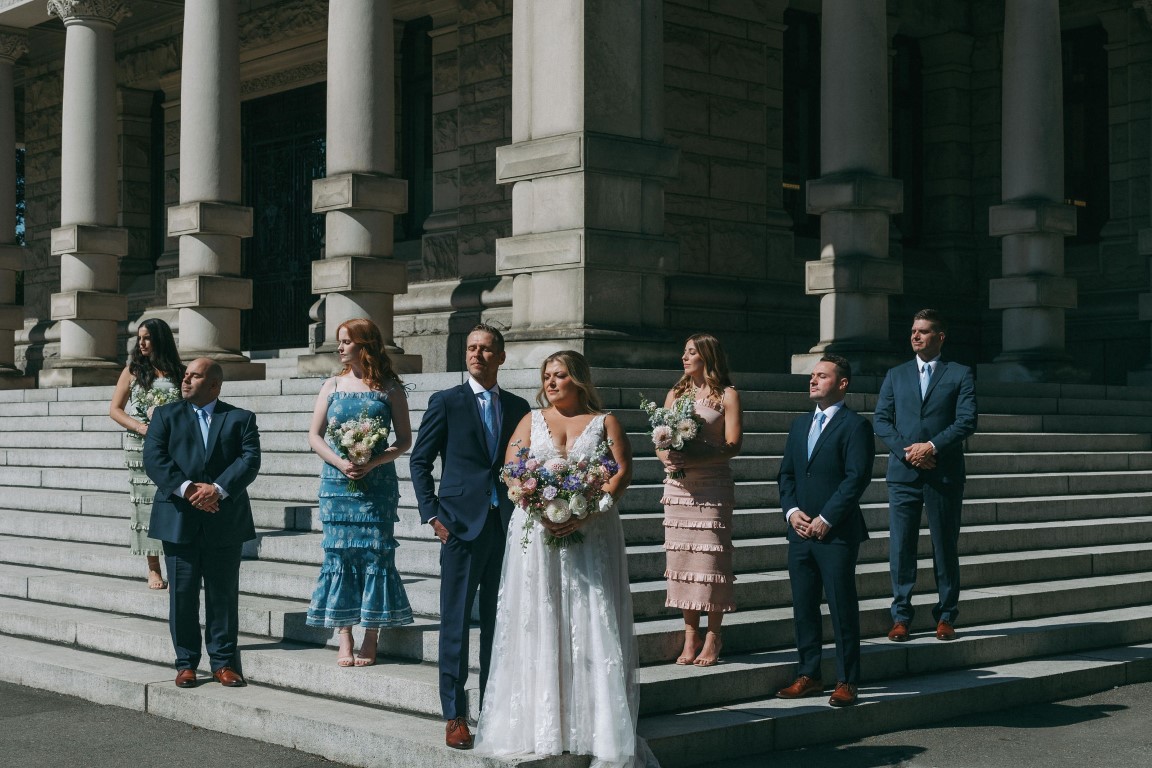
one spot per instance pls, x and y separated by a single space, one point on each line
827 465
925 412
203 454
468 428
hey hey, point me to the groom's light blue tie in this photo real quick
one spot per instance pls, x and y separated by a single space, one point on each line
488 415
925 377
202 418
814 431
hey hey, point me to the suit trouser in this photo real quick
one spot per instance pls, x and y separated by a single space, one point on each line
468 567
218 569
830 566
942 503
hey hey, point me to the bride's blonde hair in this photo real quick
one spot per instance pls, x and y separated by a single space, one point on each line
580 374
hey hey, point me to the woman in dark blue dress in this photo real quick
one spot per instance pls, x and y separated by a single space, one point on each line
358 582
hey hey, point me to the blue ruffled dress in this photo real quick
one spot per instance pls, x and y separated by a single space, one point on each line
358 582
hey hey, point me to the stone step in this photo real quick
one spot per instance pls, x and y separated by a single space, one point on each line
370 736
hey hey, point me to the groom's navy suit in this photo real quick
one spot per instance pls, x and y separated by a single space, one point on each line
200 546
471 559
829 485
946 417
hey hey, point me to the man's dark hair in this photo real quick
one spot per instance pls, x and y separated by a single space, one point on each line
492 331
939 324
843 367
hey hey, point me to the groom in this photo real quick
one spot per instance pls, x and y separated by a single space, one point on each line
467 427
203 454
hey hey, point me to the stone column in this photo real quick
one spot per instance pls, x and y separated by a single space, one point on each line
589 165
209 219
1033 219
88 242
360 196
13 44
854 196
1143 377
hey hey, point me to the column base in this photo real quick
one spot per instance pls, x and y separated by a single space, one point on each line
325 364
603 349
1015 368
867 358
66 373
236 367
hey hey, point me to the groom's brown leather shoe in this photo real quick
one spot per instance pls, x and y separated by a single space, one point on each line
227 677
457 735
186 678
802 687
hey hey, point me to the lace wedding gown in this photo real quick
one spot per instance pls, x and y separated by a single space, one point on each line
564 656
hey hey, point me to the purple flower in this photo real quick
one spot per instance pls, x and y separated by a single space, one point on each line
549 492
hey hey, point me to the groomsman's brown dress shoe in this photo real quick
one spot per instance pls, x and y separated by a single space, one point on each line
226 676
843 696
457 735
186 678
802 687
898 633
944 631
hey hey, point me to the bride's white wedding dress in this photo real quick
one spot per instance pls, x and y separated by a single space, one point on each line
564 654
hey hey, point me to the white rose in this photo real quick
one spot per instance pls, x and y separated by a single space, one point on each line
606 502
578 506
557 511
348 440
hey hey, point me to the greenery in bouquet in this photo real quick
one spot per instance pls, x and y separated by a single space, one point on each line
672 427
147 400
559 489
356 439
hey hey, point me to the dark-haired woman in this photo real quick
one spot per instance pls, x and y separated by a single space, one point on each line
358 582
152 377
698 505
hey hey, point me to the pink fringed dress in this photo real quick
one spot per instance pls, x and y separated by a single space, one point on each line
698 526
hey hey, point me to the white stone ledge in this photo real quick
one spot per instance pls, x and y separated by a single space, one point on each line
576 152
855 191
1032 217
622 251
89 305
360 191
207 218
860 274
356 273
210 291
1032 291
86 238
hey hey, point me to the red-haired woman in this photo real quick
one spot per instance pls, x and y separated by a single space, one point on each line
698 505
358 582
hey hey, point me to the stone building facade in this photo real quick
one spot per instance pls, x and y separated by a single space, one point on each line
606 175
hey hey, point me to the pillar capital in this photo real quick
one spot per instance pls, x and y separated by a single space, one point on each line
105 11
13 44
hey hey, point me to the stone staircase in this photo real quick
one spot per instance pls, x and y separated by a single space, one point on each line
1056 555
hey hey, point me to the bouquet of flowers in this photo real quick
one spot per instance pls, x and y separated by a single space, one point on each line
147 400
672 427
356 439
560 488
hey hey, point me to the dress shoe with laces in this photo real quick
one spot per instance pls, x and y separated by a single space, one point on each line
945 631
186 678
899 632
843 696
802 687
457 735
227 677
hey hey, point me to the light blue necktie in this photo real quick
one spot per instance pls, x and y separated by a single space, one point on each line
814 431
925 377
202 417
488 416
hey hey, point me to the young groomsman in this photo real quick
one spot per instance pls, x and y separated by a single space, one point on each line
826 467
925 412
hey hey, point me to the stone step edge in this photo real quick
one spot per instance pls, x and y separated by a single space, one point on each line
766 725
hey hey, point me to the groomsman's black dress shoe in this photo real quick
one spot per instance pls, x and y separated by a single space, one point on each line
843 696
898 633
804 686
186 678
945 631
457 735
226 676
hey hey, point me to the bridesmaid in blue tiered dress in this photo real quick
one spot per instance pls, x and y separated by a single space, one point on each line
358 582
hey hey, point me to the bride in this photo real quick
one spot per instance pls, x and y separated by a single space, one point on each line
564 656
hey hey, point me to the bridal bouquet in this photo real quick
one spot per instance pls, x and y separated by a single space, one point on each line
560 488
356 439
672 427
147 400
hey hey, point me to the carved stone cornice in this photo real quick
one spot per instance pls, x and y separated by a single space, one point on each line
13 44
108 11
268 25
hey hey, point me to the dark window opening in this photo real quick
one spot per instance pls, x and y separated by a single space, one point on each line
415 146
1086 169
801 118
908 136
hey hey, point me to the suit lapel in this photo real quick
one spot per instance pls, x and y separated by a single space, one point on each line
472 408
219 414
937 374
832 425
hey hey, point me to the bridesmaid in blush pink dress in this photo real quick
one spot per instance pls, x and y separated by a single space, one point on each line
698 506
